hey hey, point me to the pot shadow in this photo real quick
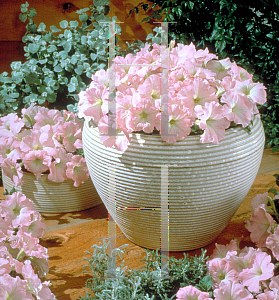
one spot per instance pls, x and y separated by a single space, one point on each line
66 286
97 212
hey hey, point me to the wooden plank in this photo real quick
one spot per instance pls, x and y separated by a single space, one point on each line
9 52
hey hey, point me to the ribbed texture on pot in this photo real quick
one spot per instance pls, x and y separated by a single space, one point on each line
52 197
207 183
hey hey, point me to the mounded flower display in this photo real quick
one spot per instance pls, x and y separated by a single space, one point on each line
42 141
205 95
23 261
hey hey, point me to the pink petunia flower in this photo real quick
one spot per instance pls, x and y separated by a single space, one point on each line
261 269
232 291
274 284
237 108
14 288
33 283
47 116
71 133
191 293
35 227
120 140
10 125
17 207
212 122
243 259
272 243
58 165
255 91
268 295
142 118
77 170
29 113
259 200
239 73
13 170
220 67
179 125
197 92
9 148
259 225
91 102
222 270
37 140
37 162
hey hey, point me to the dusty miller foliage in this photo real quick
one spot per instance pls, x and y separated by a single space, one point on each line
147 283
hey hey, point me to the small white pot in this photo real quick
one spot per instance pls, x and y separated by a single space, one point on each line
52 197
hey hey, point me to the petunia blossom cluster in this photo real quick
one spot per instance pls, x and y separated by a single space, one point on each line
202 93
42 141
248 273
23 261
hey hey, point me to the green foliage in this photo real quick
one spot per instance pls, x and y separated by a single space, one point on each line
60 62
146 283
245 31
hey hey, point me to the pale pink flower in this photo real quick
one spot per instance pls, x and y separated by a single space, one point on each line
179 125
267 295
224 251
77 170
31 245
37 140
10 147
58 165
229 290
212 122
142 118
261 269
71 133
191 293
243 259
45 293
239 73
272 243
220 67
13 170
120 140
197 92
274 284
10 125
222 270
37 162
259 200
238 108
91 102
259 225
124 102
100 78
255 91
151 89
33 283
29 113
5 267
36 227
17 207
47 116
14 288
122 65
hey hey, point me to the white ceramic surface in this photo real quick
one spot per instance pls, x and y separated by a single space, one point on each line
207 183
52 197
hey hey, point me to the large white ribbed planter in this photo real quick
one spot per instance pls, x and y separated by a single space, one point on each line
52 197
207 183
